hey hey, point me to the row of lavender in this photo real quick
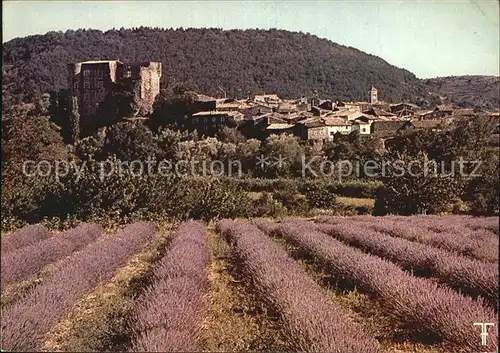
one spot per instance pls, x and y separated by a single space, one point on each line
474 277
441 224
27 252
412 301
309 320
168 313
24 237
28 320
476 238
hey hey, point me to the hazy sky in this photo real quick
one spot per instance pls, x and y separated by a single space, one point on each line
429 38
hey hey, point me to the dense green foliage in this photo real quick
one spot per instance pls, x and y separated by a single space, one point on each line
241 62
460 165
467 91
415 191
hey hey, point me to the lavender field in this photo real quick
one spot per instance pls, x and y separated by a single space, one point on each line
329 284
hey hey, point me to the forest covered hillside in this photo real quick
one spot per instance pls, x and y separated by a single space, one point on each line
467 91
238 61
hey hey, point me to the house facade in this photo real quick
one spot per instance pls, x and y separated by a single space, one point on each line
212 122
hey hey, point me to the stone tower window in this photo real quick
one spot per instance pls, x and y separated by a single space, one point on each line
75 85
86 73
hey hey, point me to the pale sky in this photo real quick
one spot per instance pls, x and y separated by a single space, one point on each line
429 37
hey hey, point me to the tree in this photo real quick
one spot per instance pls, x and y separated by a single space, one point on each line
352 147
231 135
130 141
284 153
246 152
212 58
32 149
412 186
172 106
467 139
118 104
482 191
31 138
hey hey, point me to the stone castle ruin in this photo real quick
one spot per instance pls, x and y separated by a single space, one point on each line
90 82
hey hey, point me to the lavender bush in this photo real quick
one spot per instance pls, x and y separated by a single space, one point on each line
167 315
479 244
414 302
25 323
26 236
28 261
484 250
264 224
311 322
470 276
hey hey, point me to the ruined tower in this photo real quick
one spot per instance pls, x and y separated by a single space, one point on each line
90 82
146 78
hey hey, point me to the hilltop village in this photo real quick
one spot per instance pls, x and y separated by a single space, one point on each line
318 120
310 118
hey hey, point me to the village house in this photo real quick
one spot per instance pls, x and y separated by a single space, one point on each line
465 112
362 127
354 106
425 115
286 108
433 125
337 125
257 126
303 105
296 117
326 105
442 111
202 103
256 110
379 113
229 105
366 119
268 99
403 109
312 128
317 111
387 128
279 128
211 122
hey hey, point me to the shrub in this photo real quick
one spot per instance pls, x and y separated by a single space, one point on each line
421 191
267 206
210 199
318 196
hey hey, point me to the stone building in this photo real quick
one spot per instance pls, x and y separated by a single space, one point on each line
90 82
